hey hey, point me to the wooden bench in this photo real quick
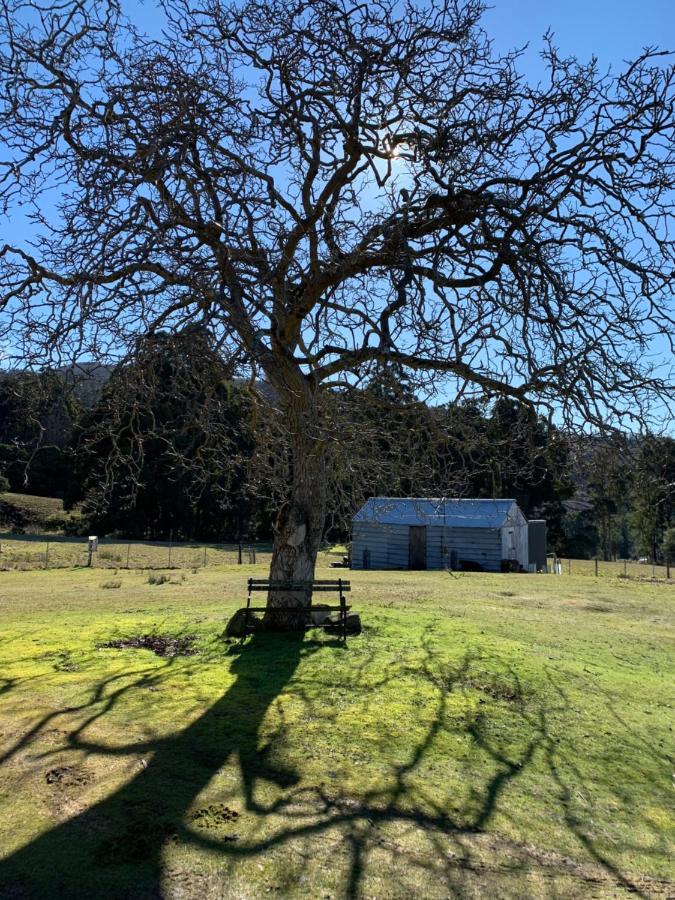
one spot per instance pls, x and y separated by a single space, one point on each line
323 585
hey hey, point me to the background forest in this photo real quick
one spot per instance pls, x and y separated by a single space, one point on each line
174 445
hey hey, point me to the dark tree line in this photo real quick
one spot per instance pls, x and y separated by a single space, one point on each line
163 451
174 446
37 415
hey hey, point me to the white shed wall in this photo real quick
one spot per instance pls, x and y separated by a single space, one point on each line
479 545
515 543
388 546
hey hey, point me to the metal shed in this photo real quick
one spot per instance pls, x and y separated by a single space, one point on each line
422 533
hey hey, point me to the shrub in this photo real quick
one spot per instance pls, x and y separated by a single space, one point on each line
109 555
157 579
111 585
56 522
76 526
669 544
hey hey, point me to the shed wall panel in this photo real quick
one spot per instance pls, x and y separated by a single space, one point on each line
388 546
515 537
435 546
480 545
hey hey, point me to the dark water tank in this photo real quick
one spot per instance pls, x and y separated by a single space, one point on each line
536 535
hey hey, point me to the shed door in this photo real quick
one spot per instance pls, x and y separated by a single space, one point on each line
418 547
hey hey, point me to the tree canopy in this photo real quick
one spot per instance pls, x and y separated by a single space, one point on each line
330 186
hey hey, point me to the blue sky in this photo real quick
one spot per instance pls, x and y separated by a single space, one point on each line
613 30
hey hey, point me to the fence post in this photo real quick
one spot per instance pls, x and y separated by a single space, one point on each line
569 566
204 555
128 552
47 556
667 568
596 566
239 556
625 567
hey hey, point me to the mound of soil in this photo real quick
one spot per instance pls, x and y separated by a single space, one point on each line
160 644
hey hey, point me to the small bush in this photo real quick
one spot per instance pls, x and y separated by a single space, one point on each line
110 555
56 522
157 579
76 527
111 585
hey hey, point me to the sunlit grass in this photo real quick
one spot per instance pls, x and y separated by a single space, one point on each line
506 734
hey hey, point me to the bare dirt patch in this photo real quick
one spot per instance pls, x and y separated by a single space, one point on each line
498 690
67 776
215 816
160 644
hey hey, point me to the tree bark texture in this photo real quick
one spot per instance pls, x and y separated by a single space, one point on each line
299 526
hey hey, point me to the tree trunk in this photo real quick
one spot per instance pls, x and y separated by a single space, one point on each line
299 527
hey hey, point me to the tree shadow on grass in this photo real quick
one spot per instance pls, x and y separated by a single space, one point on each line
115 848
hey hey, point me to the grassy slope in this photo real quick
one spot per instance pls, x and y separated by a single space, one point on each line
44 506
30 511
505 734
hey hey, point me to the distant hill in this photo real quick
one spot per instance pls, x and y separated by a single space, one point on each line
27 513
88 379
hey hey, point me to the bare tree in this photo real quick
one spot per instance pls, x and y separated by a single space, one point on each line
329 185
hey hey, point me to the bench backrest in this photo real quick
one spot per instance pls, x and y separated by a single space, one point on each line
321 584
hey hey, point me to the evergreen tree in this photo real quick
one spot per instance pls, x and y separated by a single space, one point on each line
654 494
163 451
37 416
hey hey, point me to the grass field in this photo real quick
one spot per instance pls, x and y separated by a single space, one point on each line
506 736
57 552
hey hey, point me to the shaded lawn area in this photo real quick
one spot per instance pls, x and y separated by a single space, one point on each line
486 734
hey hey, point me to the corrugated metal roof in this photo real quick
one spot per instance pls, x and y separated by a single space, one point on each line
462 513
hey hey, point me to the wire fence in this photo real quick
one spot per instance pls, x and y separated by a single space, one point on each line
29 552
618 568
56 552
